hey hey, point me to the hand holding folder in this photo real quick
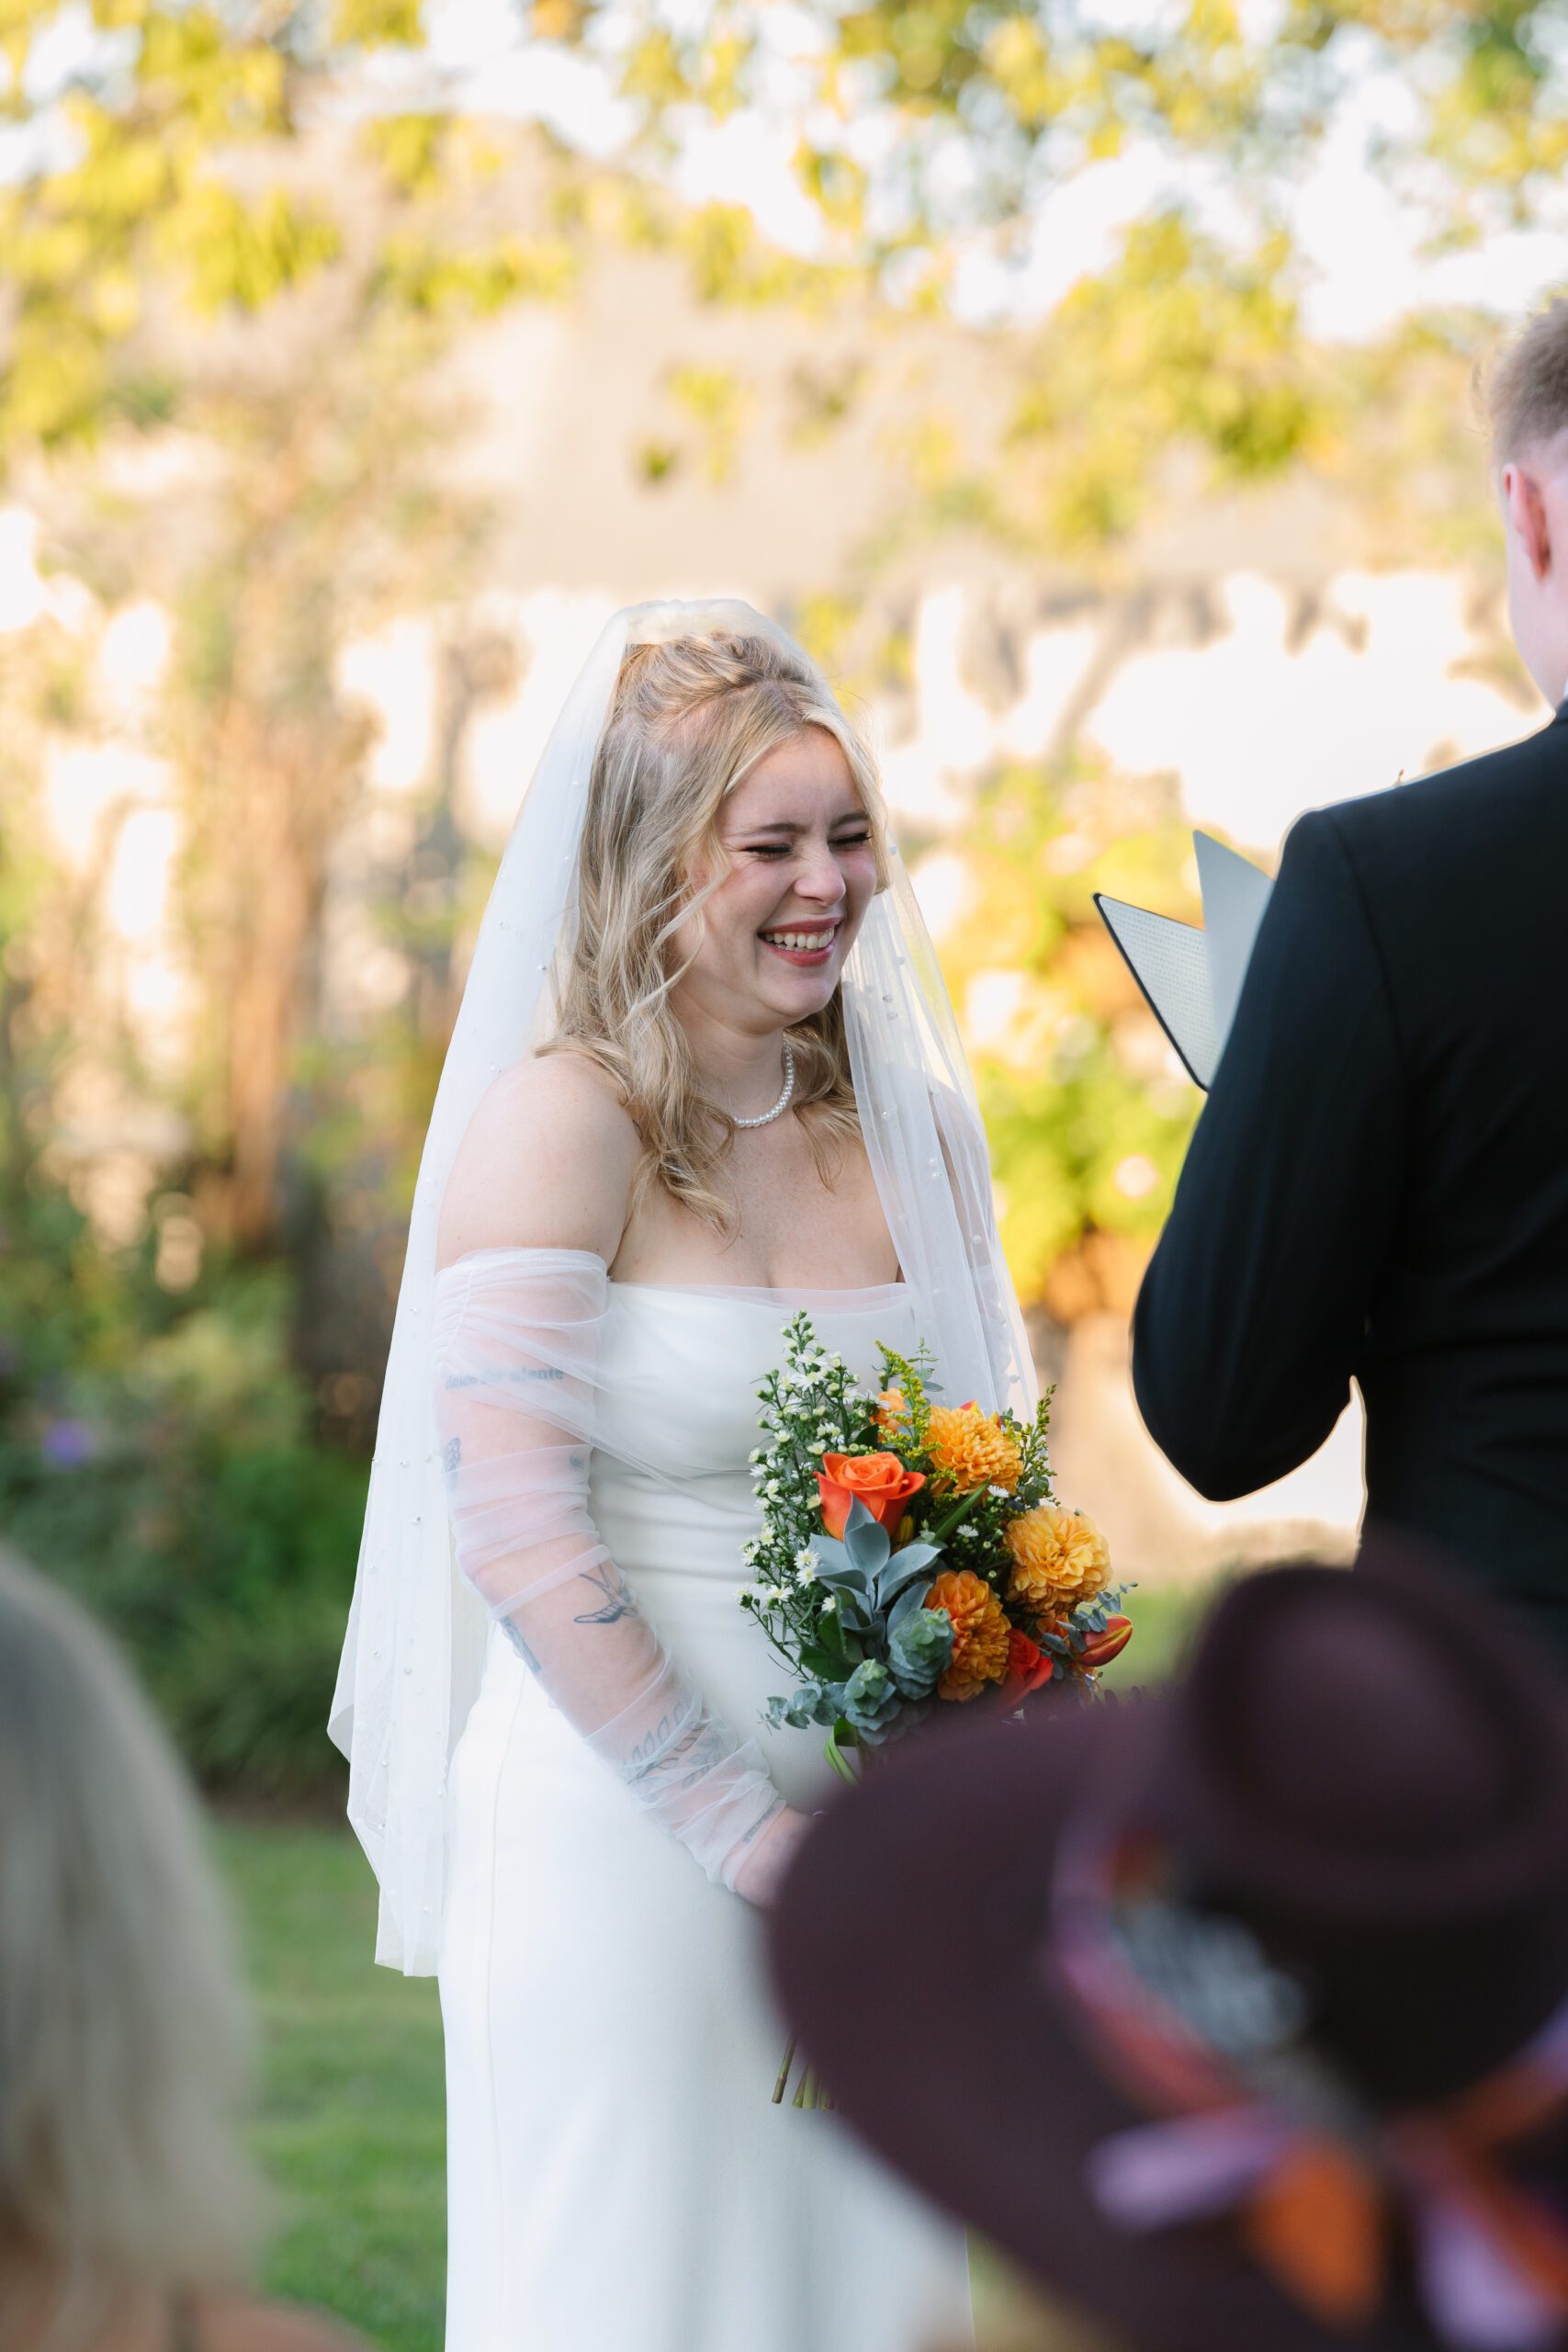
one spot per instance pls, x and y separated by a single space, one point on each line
1192 979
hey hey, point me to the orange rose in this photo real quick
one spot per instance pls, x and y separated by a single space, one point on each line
878 1480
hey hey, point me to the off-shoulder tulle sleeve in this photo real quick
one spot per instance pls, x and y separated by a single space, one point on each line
518 1344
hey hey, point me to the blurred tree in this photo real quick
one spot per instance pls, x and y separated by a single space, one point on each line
1087 1110
156 156
163 162
929 134
982 104
154 1439
294 335
328 522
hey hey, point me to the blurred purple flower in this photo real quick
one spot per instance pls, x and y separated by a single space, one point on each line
67 1444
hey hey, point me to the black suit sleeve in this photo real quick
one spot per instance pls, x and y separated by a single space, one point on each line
1252 1317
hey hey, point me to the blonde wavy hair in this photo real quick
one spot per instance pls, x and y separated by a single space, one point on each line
688 721
124 2043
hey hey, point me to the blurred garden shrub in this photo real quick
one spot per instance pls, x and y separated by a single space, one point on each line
1086 1112
156 1454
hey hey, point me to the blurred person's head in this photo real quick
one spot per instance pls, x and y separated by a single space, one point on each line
1236 2013
734 838
124 2044
1528 399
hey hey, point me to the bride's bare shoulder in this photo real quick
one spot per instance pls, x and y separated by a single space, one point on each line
547 1163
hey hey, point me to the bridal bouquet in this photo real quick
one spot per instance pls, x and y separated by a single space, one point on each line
912 1555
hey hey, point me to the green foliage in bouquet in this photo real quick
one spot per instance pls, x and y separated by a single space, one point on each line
871 1595
828 1607
810 1406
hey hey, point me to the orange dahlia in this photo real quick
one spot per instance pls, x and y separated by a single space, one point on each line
980 1632
969 1448
1059 1557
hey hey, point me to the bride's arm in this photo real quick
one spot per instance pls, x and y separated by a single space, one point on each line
532 1216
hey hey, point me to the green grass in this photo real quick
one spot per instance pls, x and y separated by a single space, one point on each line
352 2125
351 2129
1165 1619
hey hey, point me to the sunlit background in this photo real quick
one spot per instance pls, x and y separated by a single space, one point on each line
1090 387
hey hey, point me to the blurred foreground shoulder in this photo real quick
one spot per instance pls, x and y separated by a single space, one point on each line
547 1163
238 2324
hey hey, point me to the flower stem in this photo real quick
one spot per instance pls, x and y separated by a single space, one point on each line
941 1529
783 2083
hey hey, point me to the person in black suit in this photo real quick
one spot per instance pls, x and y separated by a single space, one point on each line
1377 1190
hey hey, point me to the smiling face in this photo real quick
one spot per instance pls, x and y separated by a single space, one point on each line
801 869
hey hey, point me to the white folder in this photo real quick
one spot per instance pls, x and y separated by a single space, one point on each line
1192 979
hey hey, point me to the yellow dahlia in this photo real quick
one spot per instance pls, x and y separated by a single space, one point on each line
967 1450
980 1632
1059 1558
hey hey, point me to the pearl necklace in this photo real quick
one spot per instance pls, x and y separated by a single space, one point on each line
782 1105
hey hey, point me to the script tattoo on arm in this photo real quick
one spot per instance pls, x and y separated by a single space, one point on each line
763 1820
618 1600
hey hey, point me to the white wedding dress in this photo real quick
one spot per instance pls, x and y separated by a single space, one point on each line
620 2180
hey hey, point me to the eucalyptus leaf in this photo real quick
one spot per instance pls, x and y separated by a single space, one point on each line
812 1703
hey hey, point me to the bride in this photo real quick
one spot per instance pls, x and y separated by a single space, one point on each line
705 1076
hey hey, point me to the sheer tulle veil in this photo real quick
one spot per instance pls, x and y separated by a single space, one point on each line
411 1655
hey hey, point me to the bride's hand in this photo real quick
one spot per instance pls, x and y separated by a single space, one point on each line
770 1855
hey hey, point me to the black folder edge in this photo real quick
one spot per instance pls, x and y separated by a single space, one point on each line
1102 899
